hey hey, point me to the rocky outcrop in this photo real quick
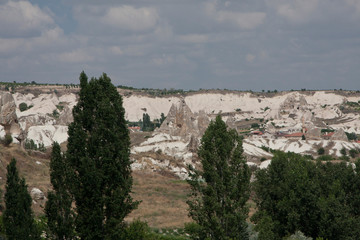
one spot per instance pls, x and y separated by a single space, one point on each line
36 194
181 121
294 101
8 112
339 135
313 134
65 117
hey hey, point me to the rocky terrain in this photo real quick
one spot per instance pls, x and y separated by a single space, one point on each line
288 121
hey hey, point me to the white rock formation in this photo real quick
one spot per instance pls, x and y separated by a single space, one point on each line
37 194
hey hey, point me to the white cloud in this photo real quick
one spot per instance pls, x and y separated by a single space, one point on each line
130 18
297 11
244 20
116 50
250 58
354 4
194 38
21 19
76 56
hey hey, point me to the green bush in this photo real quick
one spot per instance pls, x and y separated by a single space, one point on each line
193 229
308 157
298 236
7 140
137 230
344 158
23 107
325 158
353 152
31 145
55 114
343 151
267 149
321 151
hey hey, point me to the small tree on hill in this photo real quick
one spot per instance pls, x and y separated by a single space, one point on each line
148 126
18 216
321 151
162 118
58 208
219 191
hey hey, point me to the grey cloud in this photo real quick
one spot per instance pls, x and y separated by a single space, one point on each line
185 44
22 19
244 20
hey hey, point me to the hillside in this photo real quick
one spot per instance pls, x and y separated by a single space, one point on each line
296 121
275 120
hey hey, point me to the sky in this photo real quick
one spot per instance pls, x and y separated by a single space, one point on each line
184 44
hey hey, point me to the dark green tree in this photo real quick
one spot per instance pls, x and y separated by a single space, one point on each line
98 158
147 126
58 209
18 216
294 194
321 151
220 190
162 118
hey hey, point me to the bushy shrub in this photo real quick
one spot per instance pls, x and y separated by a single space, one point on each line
23 107
344 158
193 229
265 148
7 140
298 235
321 151
325 158
353 152
308 157
137 230
31 145
343 151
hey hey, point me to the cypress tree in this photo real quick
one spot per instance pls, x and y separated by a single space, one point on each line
18 216
220 190
58 208
98 158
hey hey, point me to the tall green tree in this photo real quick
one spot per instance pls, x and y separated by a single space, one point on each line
147 126
18 216
98 158
58 208
220 190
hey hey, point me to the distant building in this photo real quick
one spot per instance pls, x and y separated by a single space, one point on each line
328 135
294 135
134 129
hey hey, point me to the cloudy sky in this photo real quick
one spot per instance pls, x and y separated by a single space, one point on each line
184 44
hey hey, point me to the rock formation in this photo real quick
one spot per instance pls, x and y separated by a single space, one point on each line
180 121
294 101
313 133
37 194
339 135
8 112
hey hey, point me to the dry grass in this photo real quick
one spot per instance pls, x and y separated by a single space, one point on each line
163 196
33 166
163 200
